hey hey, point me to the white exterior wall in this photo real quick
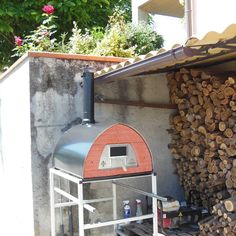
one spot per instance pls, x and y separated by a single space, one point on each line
16 189
208 15
212 15
138 14
172 29
165 25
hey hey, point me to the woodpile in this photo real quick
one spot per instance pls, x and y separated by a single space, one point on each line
223 220
203 132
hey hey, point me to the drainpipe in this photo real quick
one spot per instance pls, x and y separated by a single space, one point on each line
189 17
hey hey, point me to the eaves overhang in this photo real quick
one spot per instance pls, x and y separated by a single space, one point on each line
147 65
172 8
213 48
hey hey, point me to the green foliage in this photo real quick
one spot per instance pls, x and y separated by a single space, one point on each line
40 39
114 42
118 39
90 35
20 18
81 43
97 33
62 45
144 38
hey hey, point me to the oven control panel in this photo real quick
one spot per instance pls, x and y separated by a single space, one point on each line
117 156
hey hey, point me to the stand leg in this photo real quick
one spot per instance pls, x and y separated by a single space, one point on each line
81 209
154 205
52 203
114 205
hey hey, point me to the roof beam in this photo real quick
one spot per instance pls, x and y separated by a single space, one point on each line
138 104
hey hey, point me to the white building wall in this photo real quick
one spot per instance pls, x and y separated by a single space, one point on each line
213 15
138 14
208 15
172 29
16 188
165 25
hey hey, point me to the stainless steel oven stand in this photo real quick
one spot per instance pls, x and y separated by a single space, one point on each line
85 204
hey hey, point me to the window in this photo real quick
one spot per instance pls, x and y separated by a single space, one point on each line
118 151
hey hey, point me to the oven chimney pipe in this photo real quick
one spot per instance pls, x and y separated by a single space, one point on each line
88 106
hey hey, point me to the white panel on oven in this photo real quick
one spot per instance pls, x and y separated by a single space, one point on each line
117 156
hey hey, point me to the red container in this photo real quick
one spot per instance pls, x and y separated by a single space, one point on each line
166 221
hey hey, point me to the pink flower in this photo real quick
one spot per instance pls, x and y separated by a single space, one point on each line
18 41
49 9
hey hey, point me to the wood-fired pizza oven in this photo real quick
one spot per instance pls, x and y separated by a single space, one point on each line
102 151
98 150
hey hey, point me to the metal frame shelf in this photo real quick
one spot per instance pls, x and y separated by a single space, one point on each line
85 204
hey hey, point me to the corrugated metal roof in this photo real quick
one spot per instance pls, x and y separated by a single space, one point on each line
213 46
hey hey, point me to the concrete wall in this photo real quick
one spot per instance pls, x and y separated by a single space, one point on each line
152 124
16 188
56 102
45 93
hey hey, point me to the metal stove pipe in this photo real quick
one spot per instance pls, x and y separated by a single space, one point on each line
88 105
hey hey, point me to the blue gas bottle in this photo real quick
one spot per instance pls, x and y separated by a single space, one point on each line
126 209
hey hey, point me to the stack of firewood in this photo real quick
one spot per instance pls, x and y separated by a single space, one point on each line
223 220
204 134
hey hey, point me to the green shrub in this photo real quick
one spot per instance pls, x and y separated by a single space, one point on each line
117 39
144 38
114 42
82 43
40 39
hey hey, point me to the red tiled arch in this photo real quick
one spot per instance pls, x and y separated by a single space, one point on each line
118 134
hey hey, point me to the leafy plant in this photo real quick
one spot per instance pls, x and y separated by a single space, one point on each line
40 39
22 17
97 33
81 43
62 45
144 38
114 42
117 39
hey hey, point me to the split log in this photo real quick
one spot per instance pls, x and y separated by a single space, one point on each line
230 204
203 142
231 217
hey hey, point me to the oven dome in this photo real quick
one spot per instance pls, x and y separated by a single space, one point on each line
102 151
